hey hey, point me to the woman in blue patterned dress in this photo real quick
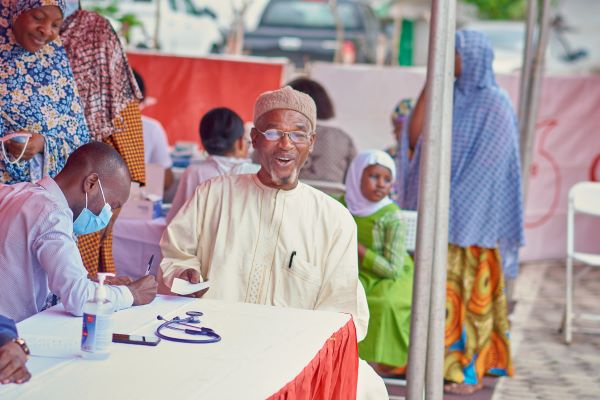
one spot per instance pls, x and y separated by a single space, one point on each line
485 218
38 94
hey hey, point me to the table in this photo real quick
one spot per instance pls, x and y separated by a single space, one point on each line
265 352
134 241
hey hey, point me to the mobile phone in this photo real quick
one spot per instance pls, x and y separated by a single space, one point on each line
135 339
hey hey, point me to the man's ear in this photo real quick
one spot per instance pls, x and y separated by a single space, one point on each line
254 136
312 139
90 182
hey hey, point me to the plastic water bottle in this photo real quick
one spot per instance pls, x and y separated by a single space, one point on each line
97 329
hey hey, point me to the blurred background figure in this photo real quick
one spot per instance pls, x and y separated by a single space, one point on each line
331 158
223 137
111 103
156 146
399 117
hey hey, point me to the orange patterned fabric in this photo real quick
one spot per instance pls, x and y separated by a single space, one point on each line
110 99
476 334
130 143
96 256
105 81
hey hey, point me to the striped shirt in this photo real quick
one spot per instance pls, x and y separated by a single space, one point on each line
38 253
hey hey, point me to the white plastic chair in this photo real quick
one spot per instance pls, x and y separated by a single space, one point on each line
410 218
584 198
332 188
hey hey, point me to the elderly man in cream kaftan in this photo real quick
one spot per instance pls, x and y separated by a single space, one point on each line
266 238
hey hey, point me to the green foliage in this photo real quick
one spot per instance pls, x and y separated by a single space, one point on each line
126 21
500 9
110 10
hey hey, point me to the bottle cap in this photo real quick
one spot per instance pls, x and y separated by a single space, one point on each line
101 289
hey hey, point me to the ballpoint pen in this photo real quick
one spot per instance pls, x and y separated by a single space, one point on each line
149 264
292 259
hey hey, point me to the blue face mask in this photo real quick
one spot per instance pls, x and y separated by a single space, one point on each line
88 222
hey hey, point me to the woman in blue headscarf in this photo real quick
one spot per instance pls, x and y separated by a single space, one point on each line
38 95
485 216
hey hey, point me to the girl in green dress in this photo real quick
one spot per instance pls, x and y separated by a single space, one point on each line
386 269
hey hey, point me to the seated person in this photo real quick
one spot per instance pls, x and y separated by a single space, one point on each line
38 252
265 238
222 135
399 117
332 157
13 354
386 269
156 147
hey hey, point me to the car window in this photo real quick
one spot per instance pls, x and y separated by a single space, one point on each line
309 14
370 19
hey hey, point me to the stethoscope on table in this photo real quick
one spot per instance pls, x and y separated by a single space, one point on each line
185 325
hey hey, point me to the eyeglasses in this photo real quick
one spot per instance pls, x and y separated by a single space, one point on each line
274 135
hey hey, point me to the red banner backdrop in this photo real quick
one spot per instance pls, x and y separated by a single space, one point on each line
186 88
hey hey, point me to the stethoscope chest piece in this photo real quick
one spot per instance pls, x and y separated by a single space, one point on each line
194 316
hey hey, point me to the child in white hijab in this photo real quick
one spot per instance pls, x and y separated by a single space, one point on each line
386 269
356 201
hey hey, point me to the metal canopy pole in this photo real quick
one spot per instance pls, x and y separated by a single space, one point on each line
436 117
525 85
527 138
444 73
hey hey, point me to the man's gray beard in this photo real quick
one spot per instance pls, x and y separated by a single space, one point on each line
284 181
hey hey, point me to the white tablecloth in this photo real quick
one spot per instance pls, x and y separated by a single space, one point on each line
262 349
134 241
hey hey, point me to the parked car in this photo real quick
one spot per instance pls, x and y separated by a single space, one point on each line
185 29
305 30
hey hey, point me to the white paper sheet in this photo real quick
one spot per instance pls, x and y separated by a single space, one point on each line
181 286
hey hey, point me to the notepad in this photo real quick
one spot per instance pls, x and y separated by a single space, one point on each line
181 286
53 346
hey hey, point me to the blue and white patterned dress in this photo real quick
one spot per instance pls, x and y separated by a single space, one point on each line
37 94
486 206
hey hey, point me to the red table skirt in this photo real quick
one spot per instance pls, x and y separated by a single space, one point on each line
332 373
